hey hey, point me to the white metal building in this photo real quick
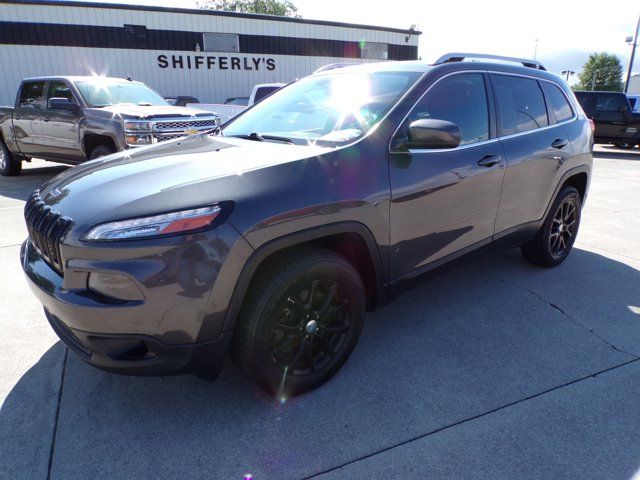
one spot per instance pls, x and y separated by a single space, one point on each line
210 55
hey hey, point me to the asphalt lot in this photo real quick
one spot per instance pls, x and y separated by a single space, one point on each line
495 370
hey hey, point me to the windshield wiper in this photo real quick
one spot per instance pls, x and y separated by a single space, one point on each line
102 105
258 137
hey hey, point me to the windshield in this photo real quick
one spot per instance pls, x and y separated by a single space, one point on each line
337 107
99 93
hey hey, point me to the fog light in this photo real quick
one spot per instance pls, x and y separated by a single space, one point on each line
114 285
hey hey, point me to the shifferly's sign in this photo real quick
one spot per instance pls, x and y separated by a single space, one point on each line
208 62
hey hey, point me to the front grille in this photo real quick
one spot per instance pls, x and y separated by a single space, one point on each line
163 138
184 124
46 229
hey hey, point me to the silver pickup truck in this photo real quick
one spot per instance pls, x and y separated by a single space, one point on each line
73 119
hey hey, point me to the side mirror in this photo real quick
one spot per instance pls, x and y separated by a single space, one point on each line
622 108
59 103
432 133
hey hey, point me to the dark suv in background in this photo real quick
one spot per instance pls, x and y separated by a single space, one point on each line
273 238
614 118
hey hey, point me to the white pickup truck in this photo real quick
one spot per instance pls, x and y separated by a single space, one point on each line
233 106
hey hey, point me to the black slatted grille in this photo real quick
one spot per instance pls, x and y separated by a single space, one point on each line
46 228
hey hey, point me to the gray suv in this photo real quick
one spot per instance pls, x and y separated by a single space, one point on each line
270 239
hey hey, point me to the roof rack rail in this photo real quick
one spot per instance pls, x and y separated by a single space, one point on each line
459 57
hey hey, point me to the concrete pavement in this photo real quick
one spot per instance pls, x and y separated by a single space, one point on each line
495 370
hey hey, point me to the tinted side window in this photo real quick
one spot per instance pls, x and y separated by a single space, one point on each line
557 102
32 95
609 103
264 92
58 89
521 104
460 99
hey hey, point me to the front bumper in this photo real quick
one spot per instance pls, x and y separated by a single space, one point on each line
169 331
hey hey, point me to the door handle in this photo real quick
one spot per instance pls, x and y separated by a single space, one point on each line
489 160
560 143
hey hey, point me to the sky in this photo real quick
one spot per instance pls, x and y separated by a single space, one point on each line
565 31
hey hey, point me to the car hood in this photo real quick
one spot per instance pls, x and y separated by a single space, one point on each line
191 172
140 111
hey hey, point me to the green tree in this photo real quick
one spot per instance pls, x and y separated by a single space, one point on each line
281 8
603 71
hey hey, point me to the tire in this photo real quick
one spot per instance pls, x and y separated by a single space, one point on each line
300 321
555 238
624 145
9 166
101 151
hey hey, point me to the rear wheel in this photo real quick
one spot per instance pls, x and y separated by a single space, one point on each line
101 151
555 239
300 322
9 166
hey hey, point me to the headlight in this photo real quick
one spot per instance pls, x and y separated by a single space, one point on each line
157 225
137 126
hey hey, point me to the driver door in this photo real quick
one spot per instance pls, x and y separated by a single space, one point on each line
444 202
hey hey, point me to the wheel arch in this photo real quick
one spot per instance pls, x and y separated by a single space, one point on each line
578 177
91 140
353 240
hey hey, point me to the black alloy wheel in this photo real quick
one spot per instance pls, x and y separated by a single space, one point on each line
300 321
554 240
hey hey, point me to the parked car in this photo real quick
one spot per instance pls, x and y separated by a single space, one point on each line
235 105
73 119
181 101
614 119
325 200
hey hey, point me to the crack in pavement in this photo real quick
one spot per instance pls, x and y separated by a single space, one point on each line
565 314
55 423
469 419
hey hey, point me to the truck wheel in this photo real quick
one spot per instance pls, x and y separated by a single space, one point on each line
624 145
300 321
101 151
9 166
558 232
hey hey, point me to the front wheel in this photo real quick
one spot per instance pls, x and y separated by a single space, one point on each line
558 232
9 165
101 151
300 322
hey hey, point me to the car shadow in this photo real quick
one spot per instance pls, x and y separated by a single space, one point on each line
32 176
469 341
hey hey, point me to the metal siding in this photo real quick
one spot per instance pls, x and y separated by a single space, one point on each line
207 85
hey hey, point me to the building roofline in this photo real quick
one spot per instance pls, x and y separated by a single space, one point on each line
193 11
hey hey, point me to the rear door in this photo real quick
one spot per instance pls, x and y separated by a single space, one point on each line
611 114
27 118
444 202
61 127
535 147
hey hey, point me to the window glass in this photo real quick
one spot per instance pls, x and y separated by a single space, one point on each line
460 99
335 107
558 103
521 104
263 92
101 92
32 95
58 89
609 103
220 42
377 51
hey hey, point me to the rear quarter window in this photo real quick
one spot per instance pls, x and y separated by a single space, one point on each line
557 103
32 95
609 103
521 104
